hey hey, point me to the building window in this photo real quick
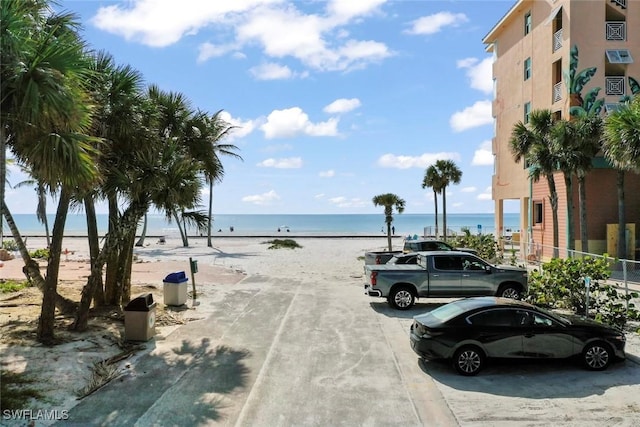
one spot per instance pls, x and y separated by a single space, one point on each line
619 56
537 213
527 68
527 112
527 23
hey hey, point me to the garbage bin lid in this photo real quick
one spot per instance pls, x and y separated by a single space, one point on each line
176 277
143 302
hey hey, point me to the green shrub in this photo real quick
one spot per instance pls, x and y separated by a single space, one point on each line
283 243
10 245
40 254
10 285
561 284
485 244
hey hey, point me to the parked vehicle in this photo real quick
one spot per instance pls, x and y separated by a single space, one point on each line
410 258
432 245
443 274
470 331
380 257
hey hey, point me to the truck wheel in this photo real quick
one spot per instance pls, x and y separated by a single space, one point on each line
509 291
401 298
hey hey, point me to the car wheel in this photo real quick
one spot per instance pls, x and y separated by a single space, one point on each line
468 360
509 291
597 356
401 298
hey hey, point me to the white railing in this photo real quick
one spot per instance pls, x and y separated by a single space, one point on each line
557 40
621 3
616 30
557 92
614 85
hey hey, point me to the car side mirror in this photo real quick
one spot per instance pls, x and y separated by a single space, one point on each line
487 268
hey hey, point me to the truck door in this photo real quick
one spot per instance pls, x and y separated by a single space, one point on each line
475 280
444 277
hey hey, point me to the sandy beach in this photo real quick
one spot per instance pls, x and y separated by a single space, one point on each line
219 268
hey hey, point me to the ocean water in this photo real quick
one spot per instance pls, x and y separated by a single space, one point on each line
334 224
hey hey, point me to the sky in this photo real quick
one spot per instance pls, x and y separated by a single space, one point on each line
334 101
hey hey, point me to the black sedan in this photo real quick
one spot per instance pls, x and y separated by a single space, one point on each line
470 330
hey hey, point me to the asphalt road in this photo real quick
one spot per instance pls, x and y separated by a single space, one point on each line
312 352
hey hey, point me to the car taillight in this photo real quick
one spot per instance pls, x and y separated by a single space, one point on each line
374 276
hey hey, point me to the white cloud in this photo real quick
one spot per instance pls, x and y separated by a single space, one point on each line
343 202
271 71
327 174
486 195
435 23
483 155
422 161
468 190
479 114
342 105
320 41
285 163
262 199
319 196
242 128
480 73
293 121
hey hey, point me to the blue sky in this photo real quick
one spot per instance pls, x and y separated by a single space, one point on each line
335 101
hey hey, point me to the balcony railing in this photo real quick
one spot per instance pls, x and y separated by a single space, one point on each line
557 92
557 40
614 85
621 3
616 30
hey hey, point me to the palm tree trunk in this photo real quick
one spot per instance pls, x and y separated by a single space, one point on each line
553 199
444 214
622 226
111 284
94 249
435 201
210 221
3 179
582 196
389 236
183 233
568 182
48 309
140 241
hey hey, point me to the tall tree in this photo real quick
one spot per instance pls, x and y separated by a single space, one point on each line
449 173
576 142
621 146
432 179
533 142
389 201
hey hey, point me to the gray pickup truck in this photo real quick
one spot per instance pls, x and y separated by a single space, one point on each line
443 274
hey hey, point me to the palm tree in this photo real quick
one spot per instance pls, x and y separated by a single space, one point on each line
41 208
576 142
44 114
433 180
621 146
389 201
450 174
533 142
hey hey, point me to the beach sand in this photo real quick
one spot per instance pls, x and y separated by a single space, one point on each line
62 370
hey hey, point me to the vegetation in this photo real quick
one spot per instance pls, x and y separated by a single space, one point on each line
389 201
283 244
9 285
485 244
17 391
560 284
40 254
9 245
439 176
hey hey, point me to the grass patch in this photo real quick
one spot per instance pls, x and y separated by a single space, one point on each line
40 254
10 285
17 391
283 243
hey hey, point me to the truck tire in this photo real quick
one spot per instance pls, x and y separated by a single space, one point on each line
401 298
509 291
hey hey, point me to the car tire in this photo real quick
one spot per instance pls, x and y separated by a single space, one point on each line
469 360
597 356
401 298
509 291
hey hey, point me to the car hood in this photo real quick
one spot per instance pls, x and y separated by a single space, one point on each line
510 268
578 320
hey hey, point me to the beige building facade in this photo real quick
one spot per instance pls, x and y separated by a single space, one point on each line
533 45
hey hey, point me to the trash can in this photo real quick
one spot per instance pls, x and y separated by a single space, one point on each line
140 318
175 288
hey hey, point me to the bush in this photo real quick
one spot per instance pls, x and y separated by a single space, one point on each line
283 243
561 284
40 254
10 245
485 244
9 285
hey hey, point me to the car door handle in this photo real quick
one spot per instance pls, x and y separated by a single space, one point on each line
529 335
466 275
435 275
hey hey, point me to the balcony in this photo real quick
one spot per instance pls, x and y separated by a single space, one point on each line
557 92
616 30
621 3
557 40
614 85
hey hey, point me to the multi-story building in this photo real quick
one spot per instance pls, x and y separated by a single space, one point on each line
533 44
